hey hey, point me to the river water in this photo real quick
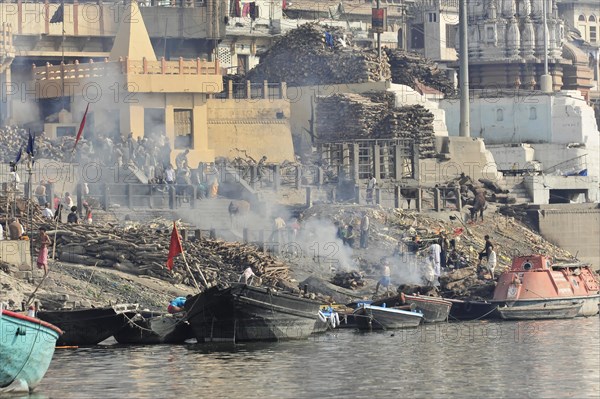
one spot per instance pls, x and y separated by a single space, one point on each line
538 359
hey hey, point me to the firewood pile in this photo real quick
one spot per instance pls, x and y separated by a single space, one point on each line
302 57
350 280
355 116
13 138
143 250
412 122
347 116
407 68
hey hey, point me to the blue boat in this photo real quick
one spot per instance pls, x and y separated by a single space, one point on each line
26 348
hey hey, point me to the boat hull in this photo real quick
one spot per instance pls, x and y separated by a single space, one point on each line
472 310
84 327
243 313
433 309
540 311
369 317
589 304
154 328
26 349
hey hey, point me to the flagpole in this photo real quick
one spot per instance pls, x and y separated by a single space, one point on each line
190 272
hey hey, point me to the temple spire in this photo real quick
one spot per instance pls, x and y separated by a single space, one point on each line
132 40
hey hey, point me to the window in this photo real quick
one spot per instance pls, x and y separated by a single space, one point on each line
593 37
489 32
592 18
581 18
532 113
499 115
432 17
417 39
451 31
183 128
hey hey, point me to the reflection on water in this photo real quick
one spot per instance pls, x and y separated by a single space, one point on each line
481 359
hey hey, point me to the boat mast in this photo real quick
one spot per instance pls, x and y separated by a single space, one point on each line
464 126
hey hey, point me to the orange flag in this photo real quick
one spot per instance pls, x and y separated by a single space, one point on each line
81 126
174 248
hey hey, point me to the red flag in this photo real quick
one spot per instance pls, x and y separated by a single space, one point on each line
81 126
174 248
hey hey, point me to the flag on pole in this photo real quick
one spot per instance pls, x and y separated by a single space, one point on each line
30 142
19 154
174 248
59 15
81 126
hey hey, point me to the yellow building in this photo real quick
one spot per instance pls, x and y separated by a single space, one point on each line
134 92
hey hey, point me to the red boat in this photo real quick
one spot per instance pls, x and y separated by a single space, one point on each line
546 290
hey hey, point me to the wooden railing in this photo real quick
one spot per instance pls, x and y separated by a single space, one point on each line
125 66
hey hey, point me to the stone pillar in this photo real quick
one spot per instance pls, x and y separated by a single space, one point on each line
309 197
419 200
376 162
458 199
437 200
354 162
398 162
276 177
397 197
357 194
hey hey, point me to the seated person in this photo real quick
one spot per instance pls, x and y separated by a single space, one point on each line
72 217
177 304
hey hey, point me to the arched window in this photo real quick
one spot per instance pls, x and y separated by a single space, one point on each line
499 115
592 18
581 18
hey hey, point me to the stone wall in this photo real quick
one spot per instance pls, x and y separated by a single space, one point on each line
258 126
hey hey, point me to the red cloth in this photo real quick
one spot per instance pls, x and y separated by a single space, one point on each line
81 126
174 248
42 260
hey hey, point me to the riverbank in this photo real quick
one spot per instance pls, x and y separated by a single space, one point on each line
132 272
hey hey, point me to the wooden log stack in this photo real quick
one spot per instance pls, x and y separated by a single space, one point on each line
350 280
144 250
302 57
407 68
373 116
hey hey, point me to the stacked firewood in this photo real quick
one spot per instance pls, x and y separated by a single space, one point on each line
142 250
412 122
373 116
304 57
347 116
13 139
350 280
408 68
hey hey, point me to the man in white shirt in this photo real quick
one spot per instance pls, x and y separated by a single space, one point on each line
435 251
491 264
47 212
364 231
247 274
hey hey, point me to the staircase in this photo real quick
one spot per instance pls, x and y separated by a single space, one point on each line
516 188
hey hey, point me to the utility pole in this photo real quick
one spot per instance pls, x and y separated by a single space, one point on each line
545 79
378 38
465 126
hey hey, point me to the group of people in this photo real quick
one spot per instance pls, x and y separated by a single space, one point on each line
346 233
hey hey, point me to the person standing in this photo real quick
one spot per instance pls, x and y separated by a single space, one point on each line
349 237
181 160
1 232
435 252
40 193
364 231
491 264
370 188
42 260
170 175
489 247
72 217
247 274
385 278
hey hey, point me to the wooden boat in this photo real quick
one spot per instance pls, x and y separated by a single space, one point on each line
371 317
26 348
540 311
89 326
534 281
155 328
471 310
433 309
244 313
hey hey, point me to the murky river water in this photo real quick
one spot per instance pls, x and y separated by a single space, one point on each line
543 359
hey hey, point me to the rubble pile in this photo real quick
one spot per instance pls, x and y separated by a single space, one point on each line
314 54
350 280
409 68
